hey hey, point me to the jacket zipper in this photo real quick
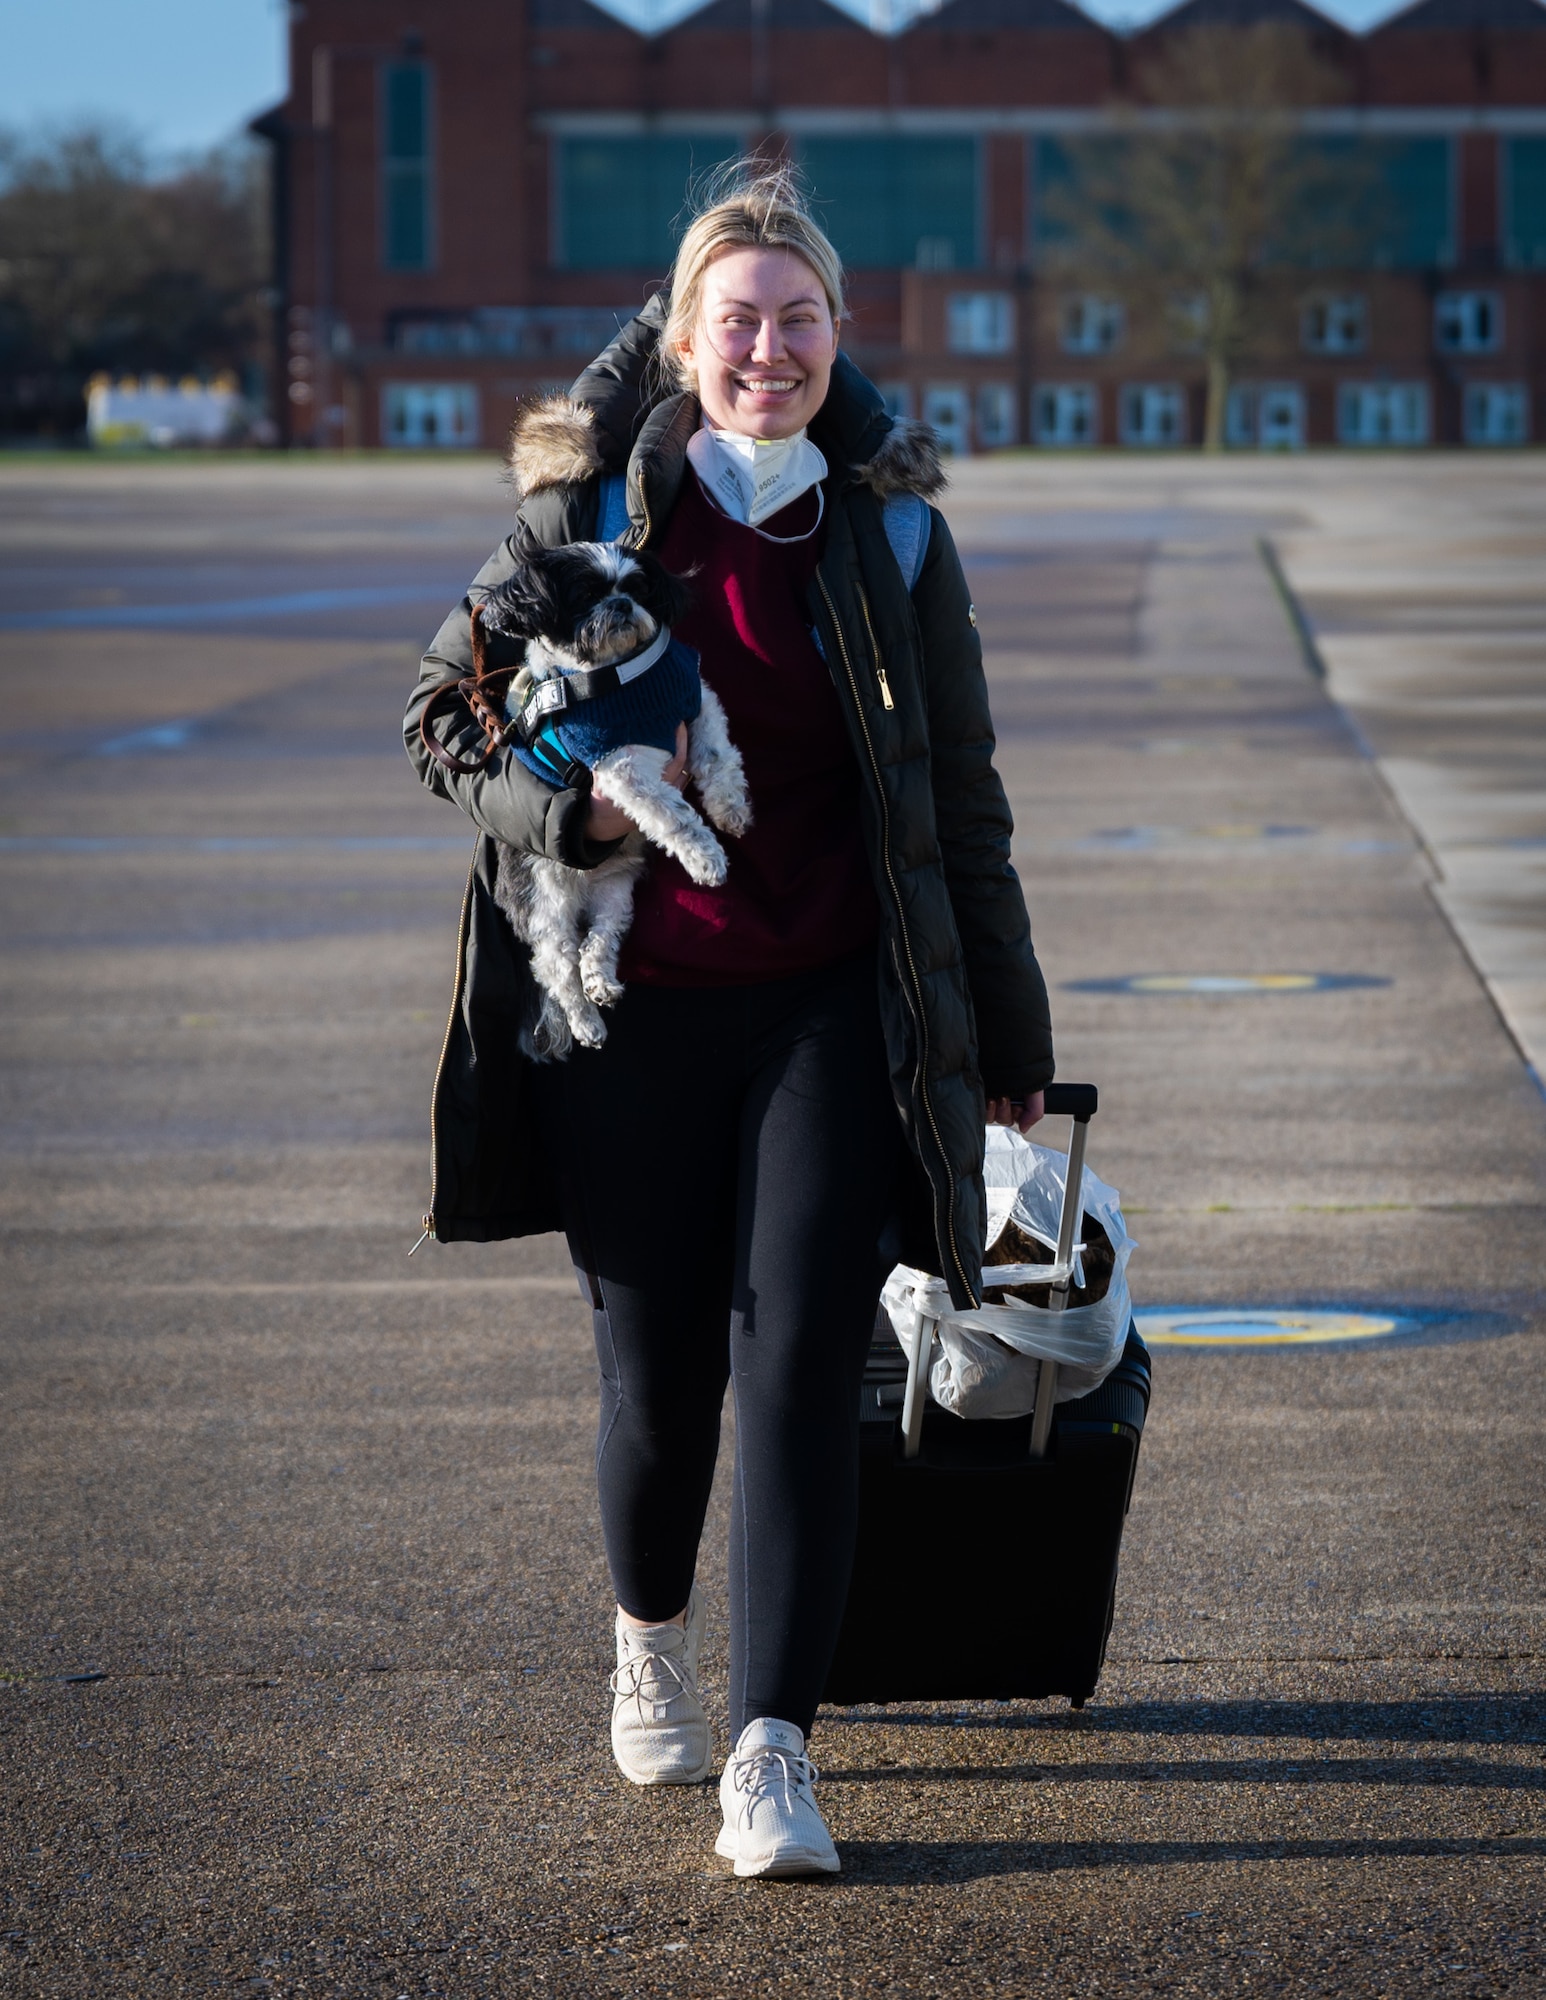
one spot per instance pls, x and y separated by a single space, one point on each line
901 919
880 671
445 1047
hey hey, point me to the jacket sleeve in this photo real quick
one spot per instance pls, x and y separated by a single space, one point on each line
505 799
1009 995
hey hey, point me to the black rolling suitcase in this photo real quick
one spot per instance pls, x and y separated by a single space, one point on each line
991 1544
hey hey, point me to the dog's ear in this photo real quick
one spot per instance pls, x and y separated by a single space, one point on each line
666 597
524 605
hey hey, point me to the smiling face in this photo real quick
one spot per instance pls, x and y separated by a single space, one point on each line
763 345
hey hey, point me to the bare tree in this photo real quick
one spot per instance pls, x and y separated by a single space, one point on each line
1206 194
107 264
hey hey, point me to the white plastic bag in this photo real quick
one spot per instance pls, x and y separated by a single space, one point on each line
986 1363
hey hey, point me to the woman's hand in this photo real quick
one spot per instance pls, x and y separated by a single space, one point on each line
1010 1111
605 821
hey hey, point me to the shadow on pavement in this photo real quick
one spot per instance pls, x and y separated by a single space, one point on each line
1224 1771
964 1860
1455 1719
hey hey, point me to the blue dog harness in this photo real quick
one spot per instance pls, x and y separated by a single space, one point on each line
580 717
569 720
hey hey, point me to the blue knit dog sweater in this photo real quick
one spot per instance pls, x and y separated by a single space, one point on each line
646 710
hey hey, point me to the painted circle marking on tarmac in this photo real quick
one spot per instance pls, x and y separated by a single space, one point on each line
1154 836
1235 835
1246 830
1226 985
1265 1326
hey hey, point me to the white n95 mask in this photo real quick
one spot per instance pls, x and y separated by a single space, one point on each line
753 478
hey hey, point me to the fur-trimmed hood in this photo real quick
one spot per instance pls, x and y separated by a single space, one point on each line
907 461
553 442
558 442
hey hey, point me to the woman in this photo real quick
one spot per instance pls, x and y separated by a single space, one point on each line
793 1087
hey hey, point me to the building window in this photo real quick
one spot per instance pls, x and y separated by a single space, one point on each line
1268 415
429 415
1376 198
898 399
1091 325
1468 322
1066 413
980 323
623 203
531 333
406 235
1524 202
947 407
1413 219
890 202
1152 413
1382 413
997 418
1381 199
1336 324
1497 413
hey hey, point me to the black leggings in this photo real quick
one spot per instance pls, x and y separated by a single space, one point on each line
728 1160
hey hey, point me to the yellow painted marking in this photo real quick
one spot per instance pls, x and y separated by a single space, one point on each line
1259 1329
1235 982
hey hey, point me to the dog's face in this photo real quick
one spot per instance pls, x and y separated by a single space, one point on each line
588 602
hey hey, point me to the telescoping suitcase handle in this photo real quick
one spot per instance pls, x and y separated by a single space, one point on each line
1078 1102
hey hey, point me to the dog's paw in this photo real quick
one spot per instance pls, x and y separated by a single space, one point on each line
729 811
707 869
604 990
588 1028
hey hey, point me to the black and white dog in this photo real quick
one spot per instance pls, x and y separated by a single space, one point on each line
604 685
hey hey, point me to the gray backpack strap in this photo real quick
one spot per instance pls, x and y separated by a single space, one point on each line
908 526
907 522
612 507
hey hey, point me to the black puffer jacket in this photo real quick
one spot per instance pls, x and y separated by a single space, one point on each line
962 998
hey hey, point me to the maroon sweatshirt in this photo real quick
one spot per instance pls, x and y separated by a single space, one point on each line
799 892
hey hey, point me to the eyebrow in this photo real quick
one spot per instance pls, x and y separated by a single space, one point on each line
748 306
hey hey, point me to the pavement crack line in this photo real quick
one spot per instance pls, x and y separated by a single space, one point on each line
1315 663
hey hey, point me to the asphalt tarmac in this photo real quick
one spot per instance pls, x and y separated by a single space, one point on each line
305 1622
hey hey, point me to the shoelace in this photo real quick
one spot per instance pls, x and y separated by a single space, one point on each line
756 1775
633 1671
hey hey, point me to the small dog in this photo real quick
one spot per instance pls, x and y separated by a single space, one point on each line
584 609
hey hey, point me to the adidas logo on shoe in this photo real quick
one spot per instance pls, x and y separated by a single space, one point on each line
772 1825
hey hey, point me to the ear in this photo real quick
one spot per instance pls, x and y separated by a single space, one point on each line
666 597
523 605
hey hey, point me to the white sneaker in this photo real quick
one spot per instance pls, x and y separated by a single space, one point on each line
771 1825
660 1734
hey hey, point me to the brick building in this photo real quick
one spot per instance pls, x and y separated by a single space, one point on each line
471 196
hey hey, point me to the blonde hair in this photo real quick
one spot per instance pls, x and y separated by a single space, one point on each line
748 204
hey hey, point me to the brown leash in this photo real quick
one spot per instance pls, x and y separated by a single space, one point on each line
484 691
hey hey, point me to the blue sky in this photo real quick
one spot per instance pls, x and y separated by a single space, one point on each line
186 73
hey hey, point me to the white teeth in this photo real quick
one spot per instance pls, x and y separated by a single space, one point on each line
767 387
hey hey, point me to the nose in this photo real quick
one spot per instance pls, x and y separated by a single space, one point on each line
617 612
769 345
